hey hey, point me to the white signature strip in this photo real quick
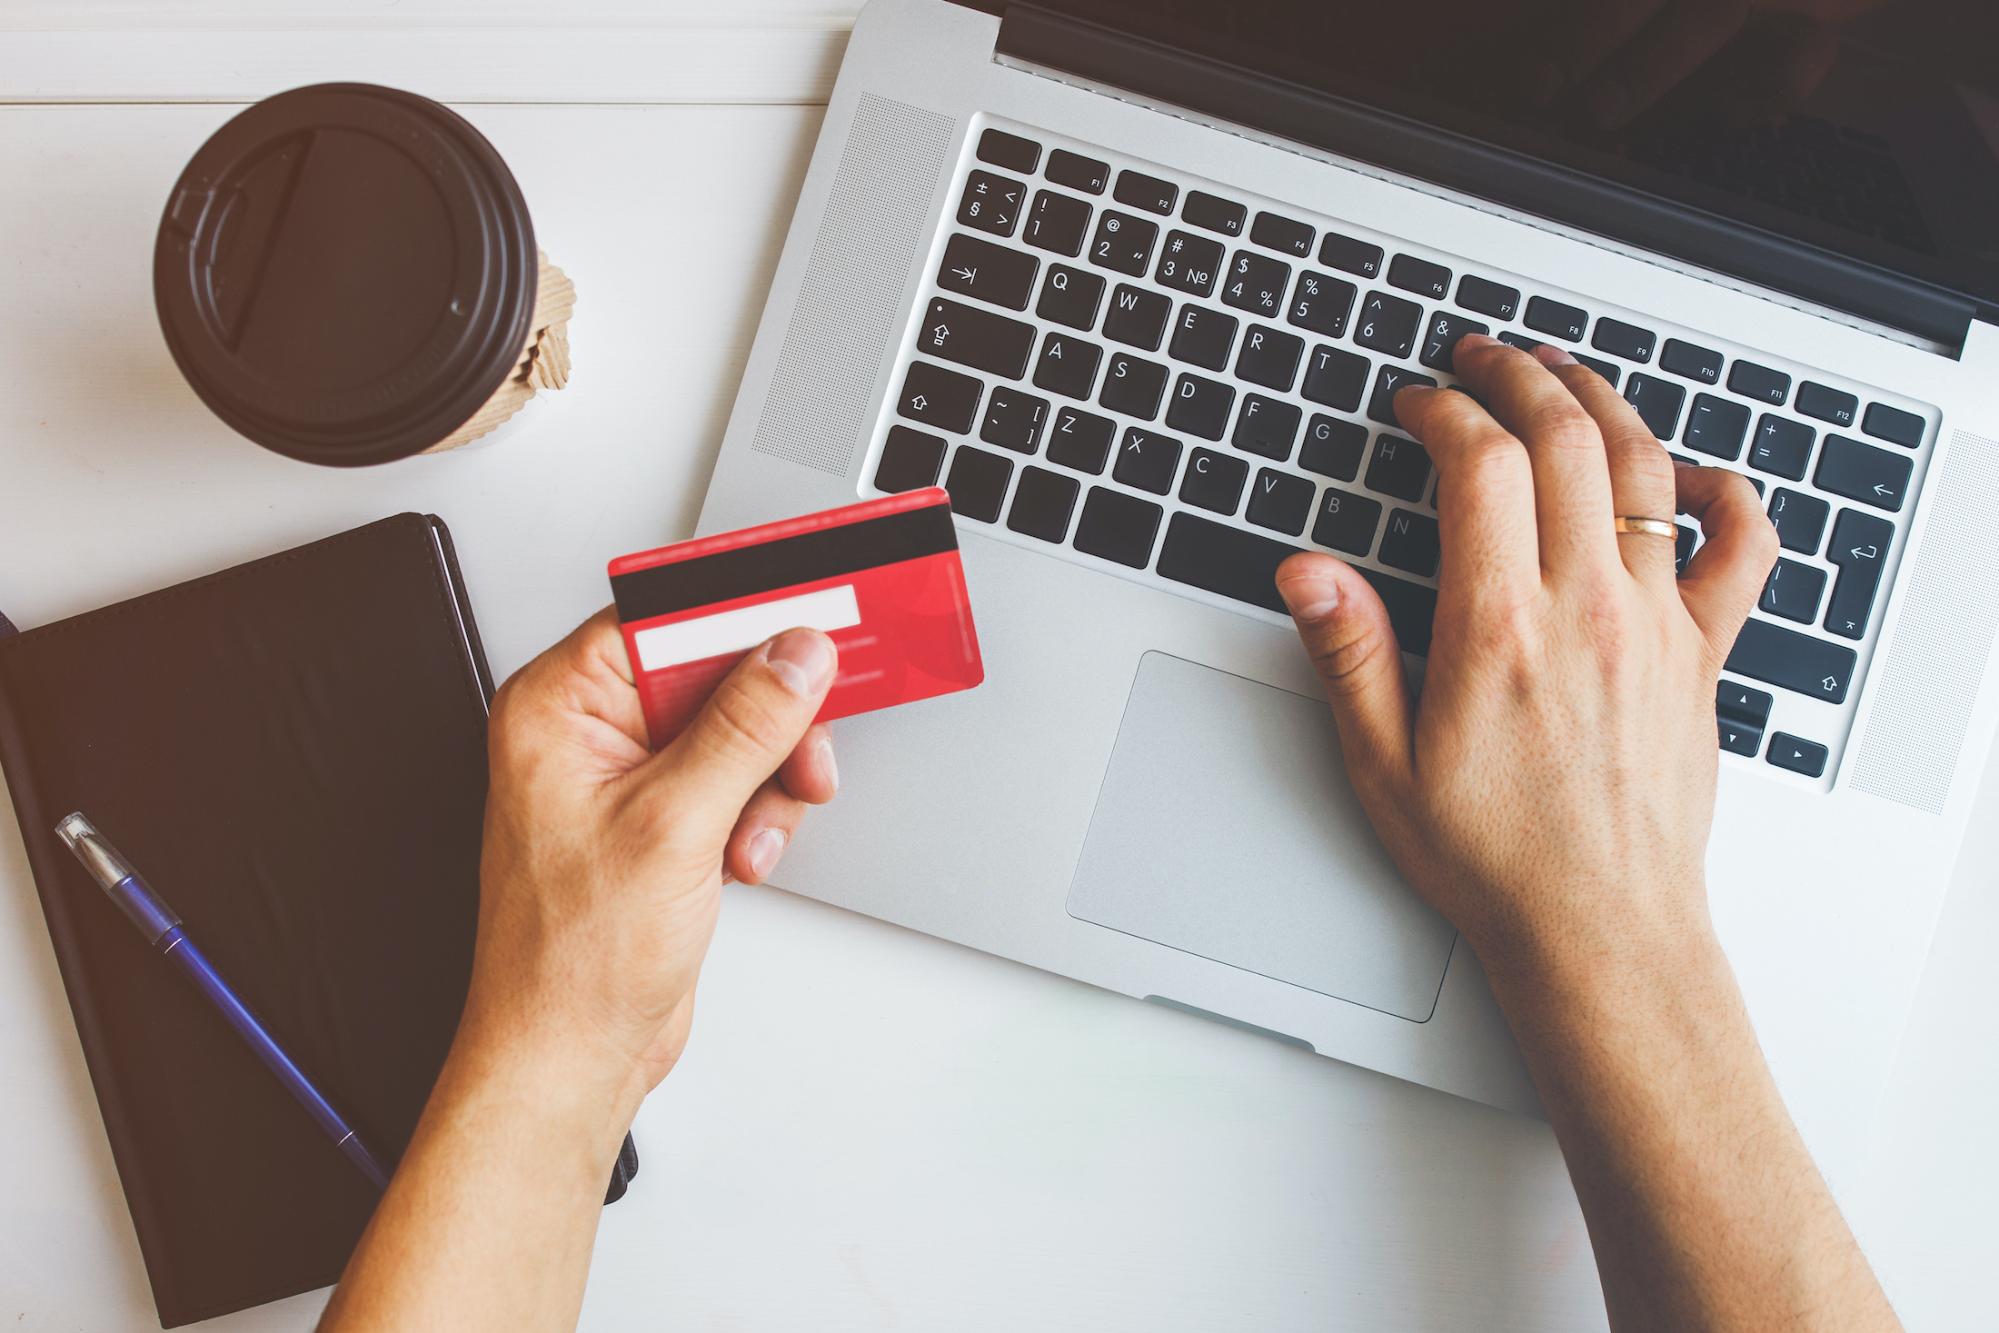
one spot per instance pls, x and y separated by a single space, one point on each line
745 627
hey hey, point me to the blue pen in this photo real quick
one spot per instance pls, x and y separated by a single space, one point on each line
157 922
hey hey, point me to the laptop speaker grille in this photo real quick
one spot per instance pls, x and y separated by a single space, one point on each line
845 321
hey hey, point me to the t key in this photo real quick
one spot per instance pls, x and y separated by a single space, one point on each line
1859 548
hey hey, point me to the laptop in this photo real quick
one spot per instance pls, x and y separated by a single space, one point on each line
1136 282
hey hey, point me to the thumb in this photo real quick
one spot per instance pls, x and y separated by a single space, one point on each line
1346 630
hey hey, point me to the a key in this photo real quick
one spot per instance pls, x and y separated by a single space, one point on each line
1070 296
1333 447
1346 521
1123 243
1783 447
1336 378
1057 222
1793 661
910 460
1797 754
939 397
1147 460
1222 559
1893 425
1859 548
1081 440
1389 381
1742 704
989 272
1322 303
1269 357
991 203
977 483
1410 543
1256 283
1132 386
1400 467
1200 406
1793 591
1280 501
1266 426
1273 231
1212 213
1350 255
1739 738
1137 317
976 338
1487 297
1042 503
1690 361
1760 382
1147 192
1078 172
1658 402
1388 324
1440 344
1556 319
1799 519
1014 420
1189 263
1203 337
1716 427
1419 276
1118 527
1067 365
1864 473
1827 404
1009 151
1626 340
1214 481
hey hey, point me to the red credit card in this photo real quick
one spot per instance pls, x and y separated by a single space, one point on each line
882 578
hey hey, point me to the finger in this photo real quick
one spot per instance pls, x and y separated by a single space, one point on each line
1346 630
587 675
1485 493
1641 471
1726 575
1565 449
809 772
762 832
1684 37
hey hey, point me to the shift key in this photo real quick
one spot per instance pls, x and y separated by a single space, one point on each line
1778 656
976 338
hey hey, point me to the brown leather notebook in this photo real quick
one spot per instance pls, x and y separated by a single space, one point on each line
293 755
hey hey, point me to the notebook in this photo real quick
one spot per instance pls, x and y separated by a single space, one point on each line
293 753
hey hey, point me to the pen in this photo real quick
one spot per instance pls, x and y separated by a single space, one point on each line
157 922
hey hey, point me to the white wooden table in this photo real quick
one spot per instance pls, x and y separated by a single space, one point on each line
871 1129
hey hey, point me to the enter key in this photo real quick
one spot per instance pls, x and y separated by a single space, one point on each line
1859 548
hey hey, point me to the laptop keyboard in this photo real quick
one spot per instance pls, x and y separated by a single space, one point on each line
1184 384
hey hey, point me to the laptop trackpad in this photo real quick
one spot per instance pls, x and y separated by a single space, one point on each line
1226 828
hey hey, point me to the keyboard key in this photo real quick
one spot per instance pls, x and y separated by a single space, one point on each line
1893 425
1716 427
1070 296
1336 378
1684 539
1609 371
1222 559
1200 407
1203 337
1410 543
1400 467
1793 661
1420 276
1798 755
1281 501
1859 548
1147 192
1626 340
1388 382
1211 213
1783 447
1658 401
1010 151
1123 243
1441 342
1741 704
1760 382
910 460
1214 481
1793 591
1266 426
1078 172
1189 263
1042 503
1256 283
1555 319
1067 365
1346 522
1690 361
976 338
1322 303
1147 460
939 397
1081 440
1350 256
1118 527
1739 738
1864 473
1137 317
1014 420
1133 387
1333 447
1799 519
1412 609
1269 357
1388 324
1057 222
1488 297
1816 400
978 483
989 272
991 203
1275 232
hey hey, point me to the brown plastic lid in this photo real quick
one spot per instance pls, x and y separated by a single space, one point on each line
345 273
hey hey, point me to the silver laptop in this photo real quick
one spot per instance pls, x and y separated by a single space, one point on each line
1136 282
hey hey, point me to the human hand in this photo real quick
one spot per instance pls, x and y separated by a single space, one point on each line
1552 792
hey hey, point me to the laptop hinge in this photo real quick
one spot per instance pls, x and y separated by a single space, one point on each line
1100 55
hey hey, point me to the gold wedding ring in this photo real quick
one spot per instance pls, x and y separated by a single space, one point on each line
1656 527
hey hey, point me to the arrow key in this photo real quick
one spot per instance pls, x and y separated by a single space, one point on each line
977 268
1859 547
1739 738
1799 756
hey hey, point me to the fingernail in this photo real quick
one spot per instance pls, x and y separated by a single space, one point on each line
1309 596
803 659
826 762
1550 355
765 848
1473 340
728 875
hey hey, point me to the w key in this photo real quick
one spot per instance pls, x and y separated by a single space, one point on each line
976 338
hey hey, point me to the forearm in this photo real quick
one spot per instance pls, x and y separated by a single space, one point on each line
1703 1205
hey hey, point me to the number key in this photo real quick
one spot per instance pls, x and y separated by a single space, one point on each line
1189 263
1388 324
1322 303
1123 243
1256 283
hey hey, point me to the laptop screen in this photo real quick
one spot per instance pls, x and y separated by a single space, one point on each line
1868 128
